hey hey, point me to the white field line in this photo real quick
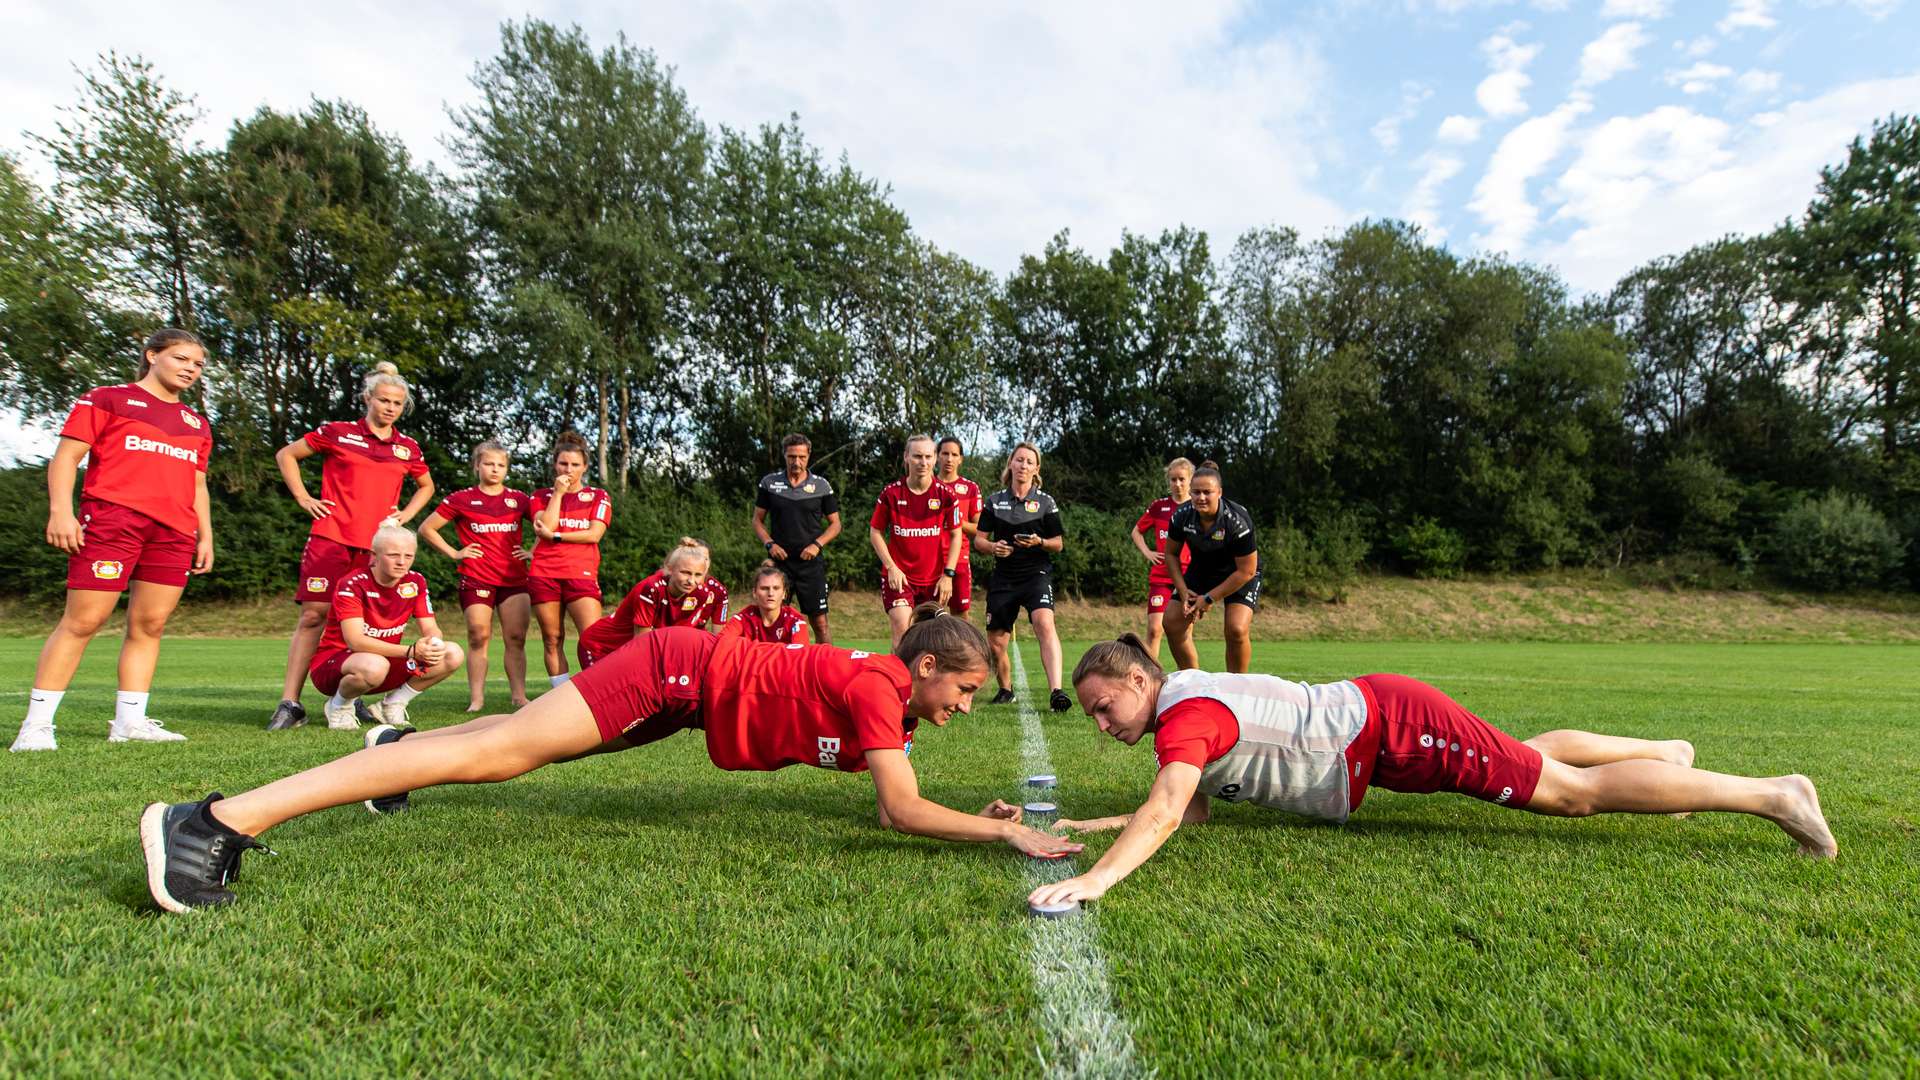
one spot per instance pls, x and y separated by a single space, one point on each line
1085 1035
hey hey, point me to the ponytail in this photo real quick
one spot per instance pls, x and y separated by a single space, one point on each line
1114 659
954 644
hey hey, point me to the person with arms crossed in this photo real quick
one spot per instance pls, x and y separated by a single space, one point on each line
1021 529
795 516
1154 522
364 464
971 498
360 651
1315 749
768 618
1224 570
680 593
760 707
487 520
563 577
145 524
915 530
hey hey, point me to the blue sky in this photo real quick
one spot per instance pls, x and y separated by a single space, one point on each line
1591 135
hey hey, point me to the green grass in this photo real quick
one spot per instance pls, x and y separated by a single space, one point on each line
643 913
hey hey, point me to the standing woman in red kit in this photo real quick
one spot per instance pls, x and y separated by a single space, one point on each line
144 522
564 577
487 520
1155 521
365 463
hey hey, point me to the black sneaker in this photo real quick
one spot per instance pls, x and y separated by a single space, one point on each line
1060 701
362 713
289 715
190 856
1004 697
381 735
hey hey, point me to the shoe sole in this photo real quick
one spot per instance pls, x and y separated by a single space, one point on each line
153 844
129 738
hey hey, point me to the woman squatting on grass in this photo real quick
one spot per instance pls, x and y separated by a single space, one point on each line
855 712
1314 750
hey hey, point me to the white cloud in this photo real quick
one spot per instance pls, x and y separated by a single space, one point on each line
1387 131
1747 15
1699 78
1422 205
1500 199
1698 47
1460 130
1634 9
1756 83
1672 178
1502 93
1611 53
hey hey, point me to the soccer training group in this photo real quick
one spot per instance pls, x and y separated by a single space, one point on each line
764 686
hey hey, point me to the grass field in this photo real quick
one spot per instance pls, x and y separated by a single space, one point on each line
643 913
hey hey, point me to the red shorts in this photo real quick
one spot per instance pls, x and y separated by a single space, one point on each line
124 545
911 596
1159 597
649 688
546 590
488 595
600 639
325 562
326 674
1429 743
962 598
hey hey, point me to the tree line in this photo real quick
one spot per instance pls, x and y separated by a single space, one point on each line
686 294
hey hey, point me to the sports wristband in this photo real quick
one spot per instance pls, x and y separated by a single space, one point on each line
950 572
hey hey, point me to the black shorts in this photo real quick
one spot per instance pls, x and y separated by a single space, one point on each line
1247 595
809 580
1004 599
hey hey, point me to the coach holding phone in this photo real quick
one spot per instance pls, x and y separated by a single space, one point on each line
1020 527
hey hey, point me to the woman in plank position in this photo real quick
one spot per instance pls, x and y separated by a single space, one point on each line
762 706
1314 749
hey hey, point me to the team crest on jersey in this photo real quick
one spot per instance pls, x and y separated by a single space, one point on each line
513 504
408 590
808 489
190 420
1033 506
933 504
109 569
688 604
401 452
1218 534
316 584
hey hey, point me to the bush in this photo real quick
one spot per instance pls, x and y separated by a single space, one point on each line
1836 542
1097 560
1317 563
1430 549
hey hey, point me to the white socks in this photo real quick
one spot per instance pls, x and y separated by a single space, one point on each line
129 708
556 680
338 702
401 694
41 705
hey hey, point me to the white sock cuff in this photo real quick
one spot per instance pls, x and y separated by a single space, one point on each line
556 680
337 702
41 705
402 694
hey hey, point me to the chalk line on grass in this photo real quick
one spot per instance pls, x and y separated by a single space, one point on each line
1086 1035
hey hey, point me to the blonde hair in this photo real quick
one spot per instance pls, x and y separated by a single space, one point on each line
490 446
392 533
385 373
1114 659
1179 463
1006 471
680 551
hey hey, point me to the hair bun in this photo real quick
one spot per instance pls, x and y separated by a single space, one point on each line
386 367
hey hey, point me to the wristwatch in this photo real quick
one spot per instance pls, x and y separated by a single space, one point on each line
950 572
769 547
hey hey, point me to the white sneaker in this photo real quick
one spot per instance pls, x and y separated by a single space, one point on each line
376 710
147 730
34 737
394 714
342 718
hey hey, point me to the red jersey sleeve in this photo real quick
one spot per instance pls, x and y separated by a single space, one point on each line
638 609
801 634
348 604
423 604
84 422
881 514
603 509
1146 522
735 627
1196 731
717 607
320 439
206 452
448 511
873 704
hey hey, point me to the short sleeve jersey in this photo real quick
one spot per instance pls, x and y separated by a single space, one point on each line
919 528
1215 547
650 606
361 474
796 513
770 706
789 626
1198 731
143 453
385 609
494 522
1154 523
1007 516
969 495
579 511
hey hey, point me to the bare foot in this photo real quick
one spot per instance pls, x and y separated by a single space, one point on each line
1679 752
519 703
476 706
1800 816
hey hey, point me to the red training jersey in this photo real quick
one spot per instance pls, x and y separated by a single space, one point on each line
789 626
1154 523
385 609
144 453
1198 731
770 706
650 606
493 522
578 513
361 474
918 527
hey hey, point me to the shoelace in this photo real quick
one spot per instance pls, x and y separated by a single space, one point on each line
225 852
